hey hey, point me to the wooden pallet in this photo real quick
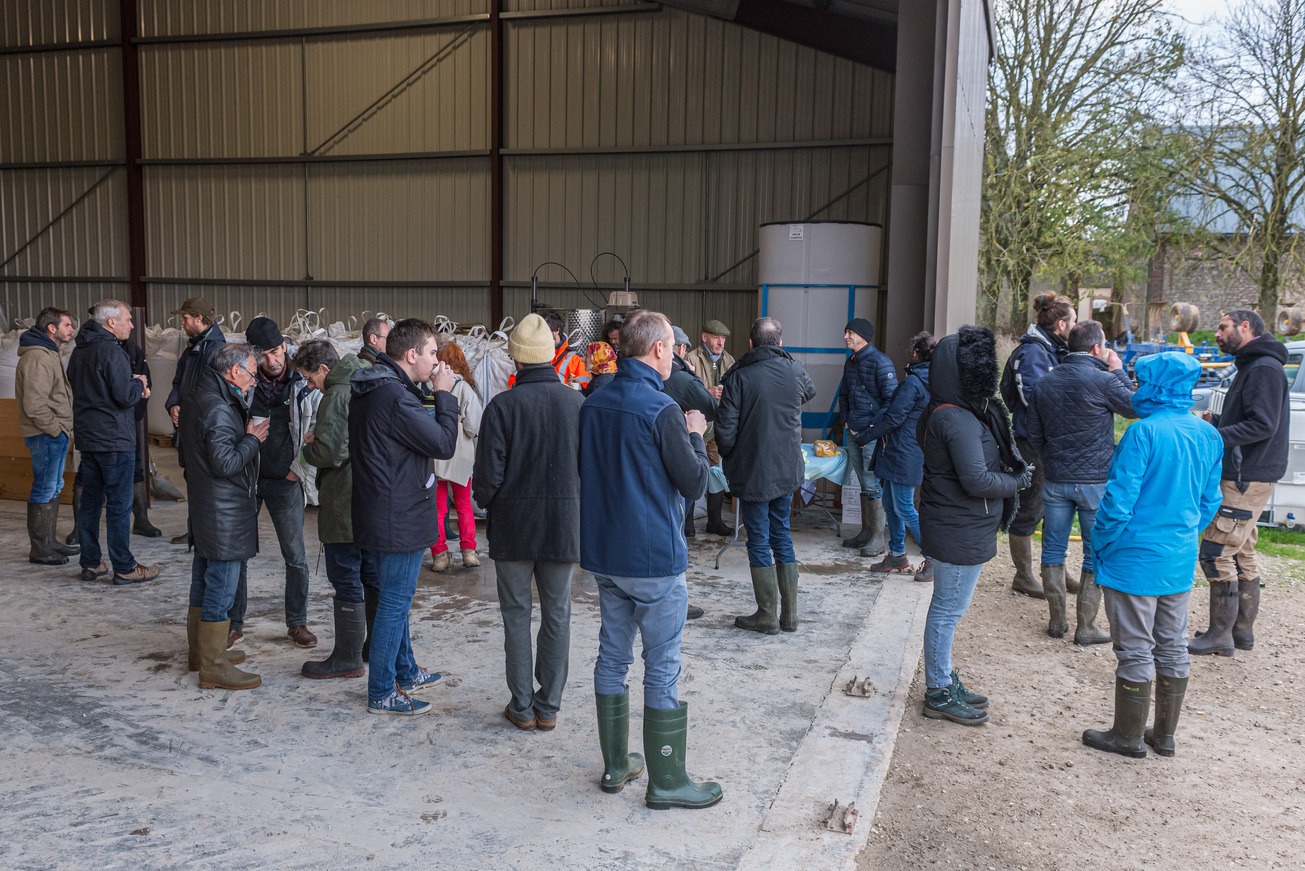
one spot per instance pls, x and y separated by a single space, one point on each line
16 462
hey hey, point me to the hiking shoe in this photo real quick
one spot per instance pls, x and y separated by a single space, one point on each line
945 704
891 563
234 637
301 636
693 613
441 562
89 574
525 724
138 574
925 573
470 560
967 695
398 704
424 680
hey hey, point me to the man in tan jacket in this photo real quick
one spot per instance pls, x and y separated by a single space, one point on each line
45 420
710 361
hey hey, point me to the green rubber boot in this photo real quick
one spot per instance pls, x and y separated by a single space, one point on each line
619 765
765 586
1132 704
665 736
787 575
1169 693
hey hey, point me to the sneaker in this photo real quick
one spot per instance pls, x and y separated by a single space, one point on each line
925 573
469 559
945 704
398 704
967 695
89 574
424 680
441 562
301 636
891 563
138 574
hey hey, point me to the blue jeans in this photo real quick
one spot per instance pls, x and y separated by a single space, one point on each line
767 526
48 455
1059 502
656 607
899 510
858 459
213 586
349 569
285 505
953 589
391 654
106 480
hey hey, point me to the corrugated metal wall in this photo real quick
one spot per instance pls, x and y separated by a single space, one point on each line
663 137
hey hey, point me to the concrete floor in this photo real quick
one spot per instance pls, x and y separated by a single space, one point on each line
116 759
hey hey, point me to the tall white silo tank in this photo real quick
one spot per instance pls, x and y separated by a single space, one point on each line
808 257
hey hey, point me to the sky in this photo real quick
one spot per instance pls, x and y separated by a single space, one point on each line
1197 11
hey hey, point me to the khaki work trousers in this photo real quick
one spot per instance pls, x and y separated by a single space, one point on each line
1228 544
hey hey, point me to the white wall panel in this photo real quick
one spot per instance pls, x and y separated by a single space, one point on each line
400 220
46 22
91 240
225 221
674 79
61 106
180 17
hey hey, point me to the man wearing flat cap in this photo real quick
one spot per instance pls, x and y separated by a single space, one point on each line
710 361
199 323
869 380
276 400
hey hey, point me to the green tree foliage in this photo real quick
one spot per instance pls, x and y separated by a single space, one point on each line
1076 164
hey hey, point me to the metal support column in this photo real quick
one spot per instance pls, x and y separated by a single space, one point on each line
496 164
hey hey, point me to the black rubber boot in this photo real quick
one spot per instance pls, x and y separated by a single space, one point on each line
1218 639
1169 693
140 510
1086 610
72 537
620 766
346 659
787 576
56 544
1132 702
40 529
715 525
1053 590
862 537
371 599
1248 606
1021 553
665 743
873 514
765 586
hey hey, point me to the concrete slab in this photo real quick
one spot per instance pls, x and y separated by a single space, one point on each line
115 758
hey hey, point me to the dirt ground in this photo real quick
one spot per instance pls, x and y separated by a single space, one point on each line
1023 792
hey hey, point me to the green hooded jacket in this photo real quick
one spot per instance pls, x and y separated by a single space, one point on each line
329 452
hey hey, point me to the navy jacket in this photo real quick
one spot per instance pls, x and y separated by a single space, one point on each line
221 471
869 380
1071 420
688 391
759 424
104 392
638 463
193 363
900 459
392 441
1037 354
1254 421
527 469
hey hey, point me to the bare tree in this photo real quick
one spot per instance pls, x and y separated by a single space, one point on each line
1074 93
1249 139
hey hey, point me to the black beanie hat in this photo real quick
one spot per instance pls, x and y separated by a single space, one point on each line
862 328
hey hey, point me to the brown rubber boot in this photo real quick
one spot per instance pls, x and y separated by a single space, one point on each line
1053 590
1021 553
235 657
1218 639
1169 692
215 670
1087 608
1248 607
765 586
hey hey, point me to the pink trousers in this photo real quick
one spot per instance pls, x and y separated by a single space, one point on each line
466 519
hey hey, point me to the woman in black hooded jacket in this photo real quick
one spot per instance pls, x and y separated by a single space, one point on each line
972 471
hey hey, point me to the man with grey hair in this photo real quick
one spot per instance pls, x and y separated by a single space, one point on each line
105 394
759 432
374 334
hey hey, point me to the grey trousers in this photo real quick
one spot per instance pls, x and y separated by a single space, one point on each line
1149 635
554 641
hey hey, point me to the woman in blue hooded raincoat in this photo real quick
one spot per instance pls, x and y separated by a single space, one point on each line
1162 491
